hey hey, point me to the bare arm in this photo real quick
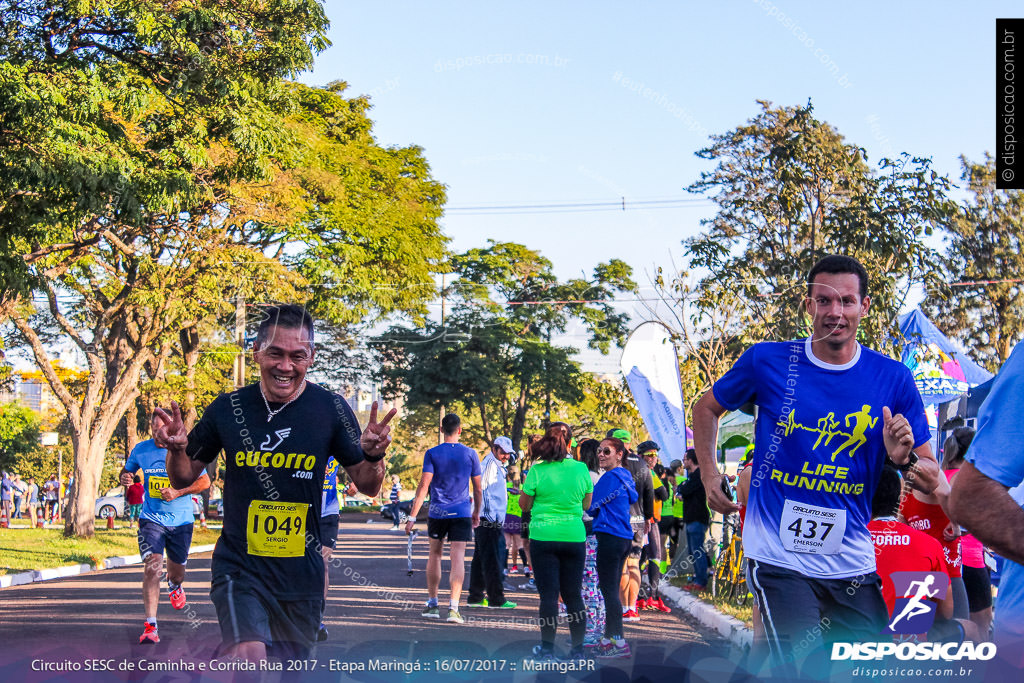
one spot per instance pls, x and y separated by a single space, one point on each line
984 507
417 503
478 500
525 502
706 412
587 499
198 486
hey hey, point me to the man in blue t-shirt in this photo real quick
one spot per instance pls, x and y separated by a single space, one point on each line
448 469
829 411
994 473
166 523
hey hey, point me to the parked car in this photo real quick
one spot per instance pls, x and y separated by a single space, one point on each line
405 506
112 504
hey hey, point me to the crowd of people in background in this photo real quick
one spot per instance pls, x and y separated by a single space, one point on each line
25 499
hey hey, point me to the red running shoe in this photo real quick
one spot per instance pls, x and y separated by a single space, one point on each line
630 615
695 588
149 635
641 604
177 597
659 605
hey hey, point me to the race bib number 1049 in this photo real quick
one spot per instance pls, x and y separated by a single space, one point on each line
276 529
811 529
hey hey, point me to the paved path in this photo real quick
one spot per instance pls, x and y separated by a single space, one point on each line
373 615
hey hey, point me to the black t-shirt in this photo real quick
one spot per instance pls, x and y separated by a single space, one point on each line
273 486
695 501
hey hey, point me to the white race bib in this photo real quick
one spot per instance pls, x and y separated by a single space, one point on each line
808 528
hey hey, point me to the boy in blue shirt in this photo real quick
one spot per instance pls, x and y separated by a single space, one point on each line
165 526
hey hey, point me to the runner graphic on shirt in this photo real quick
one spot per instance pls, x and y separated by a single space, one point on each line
828 428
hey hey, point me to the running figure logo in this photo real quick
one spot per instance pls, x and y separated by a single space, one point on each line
917 596
828 428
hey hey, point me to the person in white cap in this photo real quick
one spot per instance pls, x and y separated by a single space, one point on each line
485 570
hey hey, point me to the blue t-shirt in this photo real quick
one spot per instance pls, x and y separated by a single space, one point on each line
452 465
614 492
819 452
995 451
330 505
151 460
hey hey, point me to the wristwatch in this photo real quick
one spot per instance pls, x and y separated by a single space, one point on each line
911 461
369 458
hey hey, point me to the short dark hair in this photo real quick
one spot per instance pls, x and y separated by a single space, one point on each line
691 455
450 424
834 264
550 448
887 496
288 316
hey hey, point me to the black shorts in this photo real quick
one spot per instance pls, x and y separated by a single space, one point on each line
979 587
524 526
667 527
800 612
329 530
453 528
156 539
248 612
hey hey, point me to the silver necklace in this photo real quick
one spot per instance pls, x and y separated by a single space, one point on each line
272 413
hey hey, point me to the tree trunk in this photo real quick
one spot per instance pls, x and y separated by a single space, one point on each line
519 419
482 403
80 514
190 353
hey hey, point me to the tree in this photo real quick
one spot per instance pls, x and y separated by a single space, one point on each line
494 353
985 250
155 166
790 190
19 435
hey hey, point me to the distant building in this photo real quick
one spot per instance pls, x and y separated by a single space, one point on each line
33 394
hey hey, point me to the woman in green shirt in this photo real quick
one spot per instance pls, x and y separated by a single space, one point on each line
556 492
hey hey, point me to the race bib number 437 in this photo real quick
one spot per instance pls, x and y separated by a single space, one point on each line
276 529
811 529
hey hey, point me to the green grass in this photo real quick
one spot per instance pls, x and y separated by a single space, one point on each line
744 613
26 549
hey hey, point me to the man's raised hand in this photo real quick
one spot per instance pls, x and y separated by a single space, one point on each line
377 435
169 429
897 435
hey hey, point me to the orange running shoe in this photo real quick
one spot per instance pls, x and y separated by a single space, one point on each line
149 635
177 596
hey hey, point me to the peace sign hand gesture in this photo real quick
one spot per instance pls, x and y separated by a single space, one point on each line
169 429
377 435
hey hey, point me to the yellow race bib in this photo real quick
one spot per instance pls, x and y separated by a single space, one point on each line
276 529
157 484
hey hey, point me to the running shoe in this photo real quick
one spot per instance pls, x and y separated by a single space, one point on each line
431 612
542 654
641 604
577 654
613 651
659 605
321 634
630 615
149 635
514 569
508 604
482 603
527 572
528 586
454 617
695 588
177 596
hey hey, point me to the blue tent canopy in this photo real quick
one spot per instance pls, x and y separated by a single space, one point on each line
941 372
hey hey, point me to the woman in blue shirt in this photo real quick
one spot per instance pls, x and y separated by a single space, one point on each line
613 494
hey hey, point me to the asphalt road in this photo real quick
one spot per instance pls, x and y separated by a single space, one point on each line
376 633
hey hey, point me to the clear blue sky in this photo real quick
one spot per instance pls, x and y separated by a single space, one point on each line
520 103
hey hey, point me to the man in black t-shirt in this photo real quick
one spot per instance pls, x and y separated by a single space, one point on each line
277 435
696 520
